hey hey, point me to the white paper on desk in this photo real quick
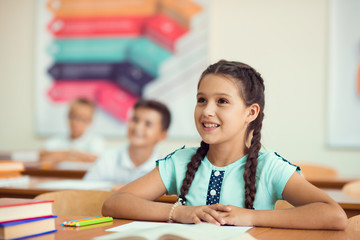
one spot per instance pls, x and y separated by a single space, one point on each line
14 182
71 165
154 230
140 226
78 185
25 156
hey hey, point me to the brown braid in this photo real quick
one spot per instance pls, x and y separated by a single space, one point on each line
192 167
251 164
251 87
253 92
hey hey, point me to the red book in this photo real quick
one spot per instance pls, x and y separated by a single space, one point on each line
19 208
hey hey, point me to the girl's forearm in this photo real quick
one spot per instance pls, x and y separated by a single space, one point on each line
311 216
125 205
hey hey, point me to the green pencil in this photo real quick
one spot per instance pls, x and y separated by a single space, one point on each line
94 221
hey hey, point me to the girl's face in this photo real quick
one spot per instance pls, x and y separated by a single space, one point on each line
221 115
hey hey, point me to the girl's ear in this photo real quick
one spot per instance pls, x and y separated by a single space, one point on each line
253 112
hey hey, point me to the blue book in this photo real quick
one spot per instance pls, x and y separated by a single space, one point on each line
25 228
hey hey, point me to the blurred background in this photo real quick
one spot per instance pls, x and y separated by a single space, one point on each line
287 41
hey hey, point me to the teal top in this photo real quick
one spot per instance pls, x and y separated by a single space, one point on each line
225 185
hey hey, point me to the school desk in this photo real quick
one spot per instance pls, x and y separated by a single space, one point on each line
89 232
351 206
54 172
29 190
337 182
36 170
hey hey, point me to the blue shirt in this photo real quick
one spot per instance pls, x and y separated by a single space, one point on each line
225 185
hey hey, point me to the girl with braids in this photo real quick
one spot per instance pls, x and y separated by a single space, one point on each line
228 179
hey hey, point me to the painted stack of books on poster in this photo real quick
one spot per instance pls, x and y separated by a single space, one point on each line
20 218
117 51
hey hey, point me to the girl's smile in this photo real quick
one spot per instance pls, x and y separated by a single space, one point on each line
209 126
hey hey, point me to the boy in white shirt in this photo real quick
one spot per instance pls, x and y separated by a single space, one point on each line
148 126
79 145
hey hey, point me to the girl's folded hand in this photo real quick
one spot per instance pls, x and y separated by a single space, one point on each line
198 214
238 216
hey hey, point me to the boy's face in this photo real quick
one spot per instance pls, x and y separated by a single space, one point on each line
80 117
145 128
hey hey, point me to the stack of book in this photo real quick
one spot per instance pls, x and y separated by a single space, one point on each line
20 218
10 173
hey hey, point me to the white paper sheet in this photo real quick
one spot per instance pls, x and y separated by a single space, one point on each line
140 226
68 165
25 156
154 230
14 182
78 184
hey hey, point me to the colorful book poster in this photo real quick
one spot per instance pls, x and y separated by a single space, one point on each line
343 122
115 52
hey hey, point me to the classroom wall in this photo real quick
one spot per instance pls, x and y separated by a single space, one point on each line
285 40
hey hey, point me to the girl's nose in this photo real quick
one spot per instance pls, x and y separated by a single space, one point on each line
209 109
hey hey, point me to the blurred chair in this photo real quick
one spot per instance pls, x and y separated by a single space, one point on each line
316 172
167 199
352 189
283 204
353 228
76 202
84 202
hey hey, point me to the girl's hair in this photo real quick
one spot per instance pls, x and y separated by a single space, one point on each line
251 89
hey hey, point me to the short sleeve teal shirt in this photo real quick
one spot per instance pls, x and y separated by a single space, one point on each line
272 174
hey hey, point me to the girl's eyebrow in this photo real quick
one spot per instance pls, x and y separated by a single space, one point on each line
217 94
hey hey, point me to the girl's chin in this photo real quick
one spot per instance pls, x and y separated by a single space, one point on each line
208 140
